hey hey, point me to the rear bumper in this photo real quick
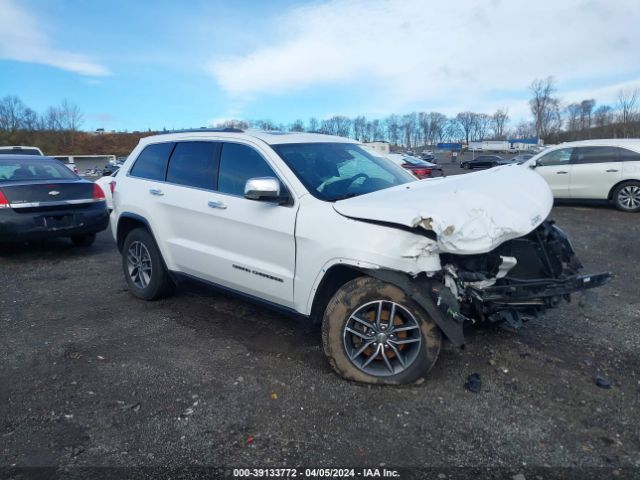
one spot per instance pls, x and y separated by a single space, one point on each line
38 224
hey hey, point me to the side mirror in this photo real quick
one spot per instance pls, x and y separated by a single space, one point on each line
263 188
534 164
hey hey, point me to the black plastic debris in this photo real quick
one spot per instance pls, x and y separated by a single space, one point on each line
474 383
602 382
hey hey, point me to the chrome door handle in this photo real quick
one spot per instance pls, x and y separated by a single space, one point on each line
156 191
219 205
612 170
560 173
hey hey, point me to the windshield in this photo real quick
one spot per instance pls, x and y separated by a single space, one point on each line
335 171
26 171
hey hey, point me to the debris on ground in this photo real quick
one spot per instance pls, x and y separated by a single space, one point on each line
474 383
602 382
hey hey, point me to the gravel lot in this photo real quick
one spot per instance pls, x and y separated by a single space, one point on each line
94 377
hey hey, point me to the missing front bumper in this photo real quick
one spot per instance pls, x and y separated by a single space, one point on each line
542 291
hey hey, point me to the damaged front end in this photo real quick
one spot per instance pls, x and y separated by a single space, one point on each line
517 280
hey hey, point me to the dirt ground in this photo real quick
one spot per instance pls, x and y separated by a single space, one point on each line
92 376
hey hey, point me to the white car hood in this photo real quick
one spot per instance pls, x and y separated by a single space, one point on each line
471 213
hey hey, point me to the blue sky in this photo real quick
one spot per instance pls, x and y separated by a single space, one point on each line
139 65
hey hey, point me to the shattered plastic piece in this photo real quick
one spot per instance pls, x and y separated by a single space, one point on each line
602 382
474 383
250 439
274 396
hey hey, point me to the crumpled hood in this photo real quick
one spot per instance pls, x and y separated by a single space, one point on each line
471 213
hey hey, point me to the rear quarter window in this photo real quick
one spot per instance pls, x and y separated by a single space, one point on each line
151 164
627 155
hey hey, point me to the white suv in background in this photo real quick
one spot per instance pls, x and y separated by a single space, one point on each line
316 225
593 170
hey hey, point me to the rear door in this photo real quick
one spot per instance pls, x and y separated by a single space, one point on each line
555 169
594 171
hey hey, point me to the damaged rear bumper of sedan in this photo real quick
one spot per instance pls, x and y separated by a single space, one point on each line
508 285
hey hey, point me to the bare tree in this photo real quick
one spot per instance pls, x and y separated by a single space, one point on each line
453 130
574 114
499 122
337 125
482 126
437 124
360 128
71 117
408 126
603 115
586 112
627 108
467 121
297 126
11 113
232 124
314 125
544 107
393 129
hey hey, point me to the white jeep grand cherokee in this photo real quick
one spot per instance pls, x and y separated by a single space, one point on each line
315 225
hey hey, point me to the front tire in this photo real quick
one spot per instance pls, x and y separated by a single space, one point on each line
144 269
372 332
626 197
466 166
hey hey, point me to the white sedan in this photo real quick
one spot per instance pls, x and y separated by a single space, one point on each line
105 184
593 170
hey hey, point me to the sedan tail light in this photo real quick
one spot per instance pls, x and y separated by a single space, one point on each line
422 172
4 203
112 186
98 194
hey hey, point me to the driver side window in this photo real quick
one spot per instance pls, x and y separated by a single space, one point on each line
557 157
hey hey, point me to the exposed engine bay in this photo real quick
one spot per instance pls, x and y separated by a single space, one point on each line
517 280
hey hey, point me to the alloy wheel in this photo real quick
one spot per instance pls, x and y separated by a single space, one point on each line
139 264
629 197
382 338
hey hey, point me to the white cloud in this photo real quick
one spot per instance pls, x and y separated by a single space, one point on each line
23 39
416 54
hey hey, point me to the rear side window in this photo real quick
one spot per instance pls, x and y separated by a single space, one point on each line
194 164
152 161
239 163
584 155
629 156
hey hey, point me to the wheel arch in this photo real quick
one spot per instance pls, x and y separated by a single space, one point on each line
128 221
613 189
334 278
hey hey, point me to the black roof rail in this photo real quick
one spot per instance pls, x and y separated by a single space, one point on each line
203 129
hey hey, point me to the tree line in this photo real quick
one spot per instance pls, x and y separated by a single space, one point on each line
58 127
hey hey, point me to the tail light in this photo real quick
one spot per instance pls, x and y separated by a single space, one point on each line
112 186
422 172
4 203
98 194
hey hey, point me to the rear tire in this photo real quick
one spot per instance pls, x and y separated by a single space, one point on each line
144 269
626 196
83 240
409 344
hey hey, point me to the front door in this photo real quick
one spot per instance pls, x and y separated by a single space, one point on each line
555 169
220 236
